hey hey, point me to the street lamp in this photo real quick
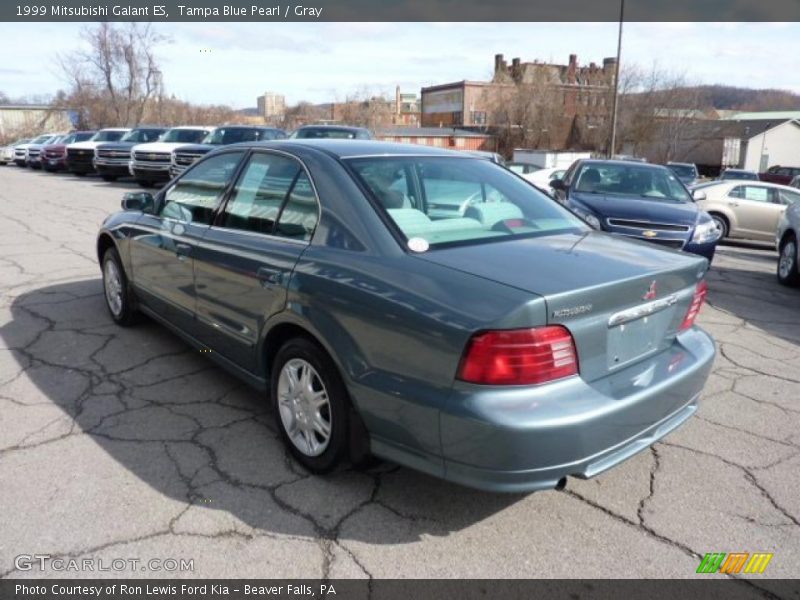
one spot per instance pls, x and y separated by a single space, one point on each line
616 83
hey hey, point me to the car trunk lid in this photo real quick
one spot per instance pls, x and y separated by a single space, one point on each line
622 300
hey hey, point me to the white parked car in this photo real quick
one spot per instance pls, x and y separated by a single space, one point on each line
7 152
543 177
21 150
151 162
80 155
745 209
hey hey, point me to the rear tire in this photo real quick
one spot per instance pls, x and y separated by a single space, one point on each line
722 225
787 262
144 184
116 290
310 405
79 173
109 178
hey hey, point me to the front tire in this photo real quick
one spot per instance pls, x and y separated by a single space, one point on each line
787 263
109 177
116 290
722 225
310 404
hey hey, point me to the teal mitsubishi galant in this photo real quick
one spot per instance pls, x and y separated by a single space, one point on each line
421 305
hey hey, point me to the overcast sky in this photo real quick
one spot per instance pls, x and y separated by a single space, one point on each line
325 61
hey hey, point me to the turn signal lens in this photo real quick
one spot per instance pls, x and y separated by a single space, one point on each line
700 293
519 356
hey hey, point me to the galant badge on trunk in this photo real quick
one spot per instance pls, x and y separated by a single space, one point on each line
651 292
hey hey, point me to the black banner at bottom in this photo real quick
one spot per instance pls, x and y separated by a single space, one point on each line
397 589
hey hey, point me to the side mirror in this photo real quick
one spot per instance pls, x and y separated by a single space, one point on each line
139 201
698 195
558 184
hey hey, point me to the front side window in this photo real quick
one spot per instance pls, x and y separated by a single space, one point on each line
635 181
684 170
459 200
274 197
194 197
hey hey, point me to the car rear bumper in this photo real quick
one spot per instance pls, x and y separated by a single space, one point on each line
524 439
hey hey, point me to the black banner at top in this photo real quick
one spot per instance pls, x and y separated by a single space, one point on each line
400 10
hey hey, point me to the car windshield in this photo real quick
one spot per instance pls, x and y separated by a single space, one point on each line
66 139
41 139
83 136
324 132
639 181
142 136
184 136
740 175
234 135
107 136
437 201
683 170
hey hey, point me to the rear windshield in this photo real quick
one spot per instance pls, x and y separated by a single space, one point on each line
740 175
683 170
234 135
636 181
327 132
436 201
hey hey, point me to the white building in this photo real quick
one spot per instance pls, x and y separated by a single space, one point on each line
778 145
18 120
271 105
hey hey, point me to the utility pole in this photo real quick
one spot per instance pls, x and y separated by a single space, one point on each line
616 83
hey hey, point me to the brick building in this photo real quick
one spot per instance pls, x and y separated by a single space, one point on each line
570 99
439 137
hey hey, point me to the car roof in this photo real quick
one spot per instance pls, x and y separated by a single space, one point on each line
751 182
624 163
334 127
356 148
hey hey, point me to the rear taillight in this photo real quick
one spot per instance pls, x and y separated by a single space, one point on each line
519 356
700 293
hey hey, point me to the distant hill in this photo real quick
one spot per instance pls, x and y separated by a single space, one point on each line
725 97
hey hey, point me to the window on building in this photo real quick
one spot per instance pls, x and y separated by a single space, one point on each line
478 117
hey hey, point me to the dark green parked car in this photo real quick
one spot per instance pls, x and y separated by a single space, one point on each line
420 305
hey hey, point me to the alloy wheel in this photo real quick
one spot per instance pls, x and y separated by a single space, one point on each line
304 407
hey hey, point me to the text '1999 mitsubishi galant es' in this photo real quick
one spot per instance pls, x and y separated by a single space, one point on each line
422 305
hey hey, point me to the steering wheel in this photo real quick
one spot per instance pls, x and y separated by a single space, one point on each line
475 198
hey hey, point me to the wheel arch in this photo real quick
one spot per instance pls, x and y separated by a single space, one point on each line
104 242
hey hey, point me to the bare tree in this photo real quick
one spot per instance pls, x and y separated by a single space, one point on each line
365 108
114 80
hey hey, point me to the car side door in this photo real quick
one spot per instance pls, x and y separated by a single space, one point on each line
162 245
754 209
248 254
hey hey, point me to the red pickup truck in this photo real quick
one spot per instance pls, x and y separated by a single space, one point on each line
779 174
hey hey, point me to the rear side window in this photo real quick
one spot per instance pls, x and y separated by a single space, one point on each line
751 192
273 196
195 196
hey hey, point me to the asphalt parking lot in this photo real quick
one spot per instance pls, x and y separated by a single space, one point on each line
126 443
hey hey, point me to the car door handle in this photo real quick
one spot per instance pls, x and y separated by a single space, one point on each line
269 276
182 250
733 203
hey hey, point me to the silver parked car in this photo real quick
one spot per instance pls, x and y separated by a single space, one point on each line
786 239
746 209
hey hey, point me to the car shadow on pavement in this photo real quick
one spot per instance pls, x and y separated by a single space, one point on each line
124 184
747 288
200 438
